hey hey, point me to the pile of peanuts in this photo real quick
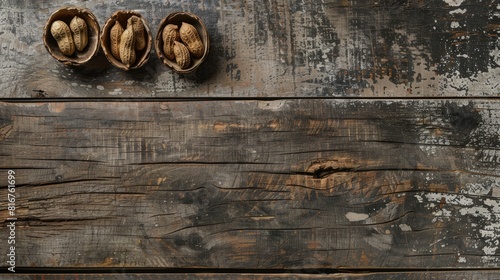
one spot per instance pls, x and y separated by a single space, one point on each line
72 37
124 42
180 44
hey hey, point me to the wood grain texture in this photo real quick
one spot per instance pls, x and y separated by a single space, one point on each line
448 275
286 48
286 184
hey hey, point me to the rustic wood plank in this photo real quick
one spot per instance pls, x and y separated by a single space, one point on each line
287 184
286 48
448 275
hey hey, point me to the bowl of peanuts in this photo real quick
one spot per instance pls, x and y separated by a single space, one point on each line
126 40
182 42
71 35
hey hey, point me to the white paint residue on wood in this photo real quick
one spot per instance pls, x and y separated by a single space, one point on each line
453 199
405 227
454 3
490 250
477 188
441 215
469 203
458 11
476 211
356 217
455 24
117 91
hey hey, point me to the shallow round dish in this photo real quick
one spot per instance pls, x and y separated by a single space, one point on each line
66 14
178 18
142 56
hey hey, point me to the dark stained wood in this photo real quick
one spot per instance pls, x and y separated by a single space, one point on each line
288 184
448 275
292 48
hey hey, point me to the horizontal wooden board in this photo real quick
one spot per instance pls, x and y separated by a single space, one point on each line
259 48
289 184
445 275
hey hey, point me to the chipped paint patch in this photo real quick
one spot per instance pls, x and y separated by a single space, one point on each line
490 250
453 199
405 227
441 215
458 11
454 3
479 215
476 211
476 189
356 217
117 91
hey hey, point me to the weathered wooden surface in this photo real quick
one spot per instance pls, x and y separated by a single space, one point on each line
446 275
291 184
272 158
286 48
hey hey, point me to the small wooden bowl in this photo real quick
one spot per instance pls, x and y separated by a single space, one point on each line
66 14
142 56
178 18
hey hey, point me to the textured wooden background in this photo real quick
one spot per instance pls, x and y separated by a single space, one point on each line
285 48
320 139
